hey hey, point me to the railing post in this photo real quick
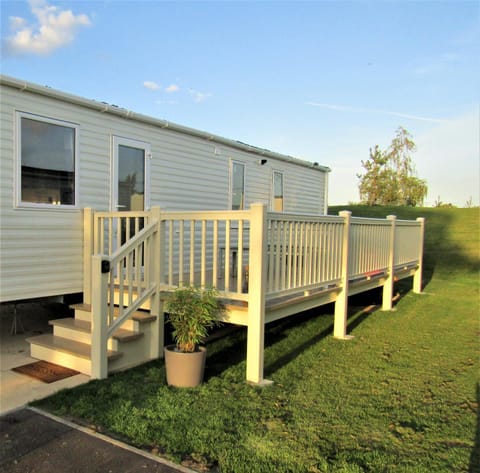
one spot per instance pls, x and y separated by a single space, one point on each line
387 297
256 294
417 277
99 358
341 303
88 225
156 268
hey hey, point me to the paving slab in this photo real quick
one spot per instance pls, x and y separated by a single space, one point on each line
36 442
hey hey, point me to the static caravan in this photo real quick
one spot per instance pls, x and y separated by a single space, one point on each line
61 153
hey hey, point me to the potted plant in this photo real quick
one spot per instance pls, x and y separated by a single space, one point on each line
191 312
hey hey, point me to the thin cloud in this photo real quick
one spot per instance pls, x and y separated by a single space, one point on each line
172 88
199 97
346 108
52 29
148 84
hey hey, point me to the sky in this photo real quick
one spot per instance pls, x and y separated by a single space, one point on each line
322 81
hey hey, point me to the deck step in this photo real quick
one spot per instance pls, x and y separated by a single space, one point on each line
69 353
64 345
139 316
122 335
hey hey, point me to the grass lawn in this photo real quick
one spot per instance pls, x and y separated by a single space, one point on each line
402 396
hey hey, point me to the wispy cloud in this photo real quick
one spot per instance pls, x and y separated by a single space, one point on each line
53 28
346 108
148 84
199 97
172 88
196 96
436 64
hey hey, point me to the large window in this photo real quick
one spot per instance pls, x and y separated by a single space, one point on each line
277 201
47 155
238 186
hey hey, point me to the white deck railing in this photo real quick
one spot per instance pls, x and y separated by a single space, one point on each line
369 248
206 249
212 248
251 256
303 252
113 229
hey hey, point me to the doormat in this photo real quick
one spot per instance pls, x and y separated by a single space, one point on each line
45 371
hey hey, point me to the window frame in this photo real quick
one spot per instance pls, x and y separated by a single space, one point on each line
19 203
232 165
272 193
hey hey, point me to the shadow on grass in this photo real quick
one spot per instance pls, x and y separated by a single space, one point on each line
277 335
226 353
355 318
232 348
475 457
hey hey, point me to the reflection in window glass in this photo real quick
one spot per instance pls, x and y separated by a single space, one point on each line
277 191
131 178
238 186
47 163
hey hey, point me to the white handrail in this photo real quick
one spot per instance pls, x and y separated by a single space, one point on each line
120 272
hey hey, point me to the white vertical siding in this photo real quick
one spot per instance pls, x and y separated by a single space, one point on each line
41 250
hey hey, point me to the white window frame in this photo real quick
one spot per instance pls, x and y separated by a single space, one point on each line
230 199
131 143
18 162
272 192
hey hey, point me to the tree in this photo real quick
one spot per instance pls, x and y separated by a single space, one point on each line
390 177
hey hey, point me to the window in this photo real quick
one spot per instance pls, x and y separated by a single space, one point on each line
47 161
238 186
277 201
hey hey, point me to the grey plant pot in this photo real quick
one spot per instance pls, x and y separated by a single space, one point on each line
184 370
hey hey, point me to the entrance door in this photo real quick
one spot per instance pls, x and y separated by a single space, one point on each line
130 186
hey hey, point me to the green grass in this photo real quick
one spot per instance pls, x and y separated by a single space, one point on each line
402 396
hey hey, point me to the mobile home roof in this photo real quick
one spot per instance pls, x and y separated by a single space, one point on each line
114 110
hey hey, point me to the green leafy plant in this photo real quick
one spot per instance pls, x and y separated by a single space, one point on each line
192 311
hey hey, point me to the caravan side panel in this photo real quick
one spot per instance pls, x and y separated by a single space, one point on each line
41 249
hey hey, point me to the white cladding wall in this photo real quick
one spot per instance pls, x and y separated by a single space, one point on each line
41 249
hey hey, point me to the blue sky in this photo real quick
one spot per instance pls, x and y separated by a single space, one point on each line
322 81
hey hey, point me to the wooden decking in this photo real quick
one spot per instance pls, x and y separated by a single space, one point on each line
265 266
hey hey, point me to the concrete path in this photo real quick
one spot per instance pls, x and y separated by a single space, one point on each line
35 442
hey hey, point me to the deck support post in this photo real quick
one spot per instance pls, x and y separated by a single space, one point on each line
88 249
256 294
417 277
387 297
156 269
99 355
341 303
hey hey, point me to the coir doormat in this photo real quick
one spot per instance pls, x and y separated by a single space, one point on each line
45 371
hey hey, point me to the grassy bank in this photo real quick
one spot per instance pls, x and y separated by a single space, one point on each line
400 397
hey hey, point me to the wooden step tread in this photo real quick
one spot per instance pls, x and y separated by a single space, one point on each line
70 322
139 316
122 335
82 350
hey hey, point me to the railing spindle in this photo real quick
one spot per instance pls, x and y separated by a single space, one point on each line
240 257
227 255
203 256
